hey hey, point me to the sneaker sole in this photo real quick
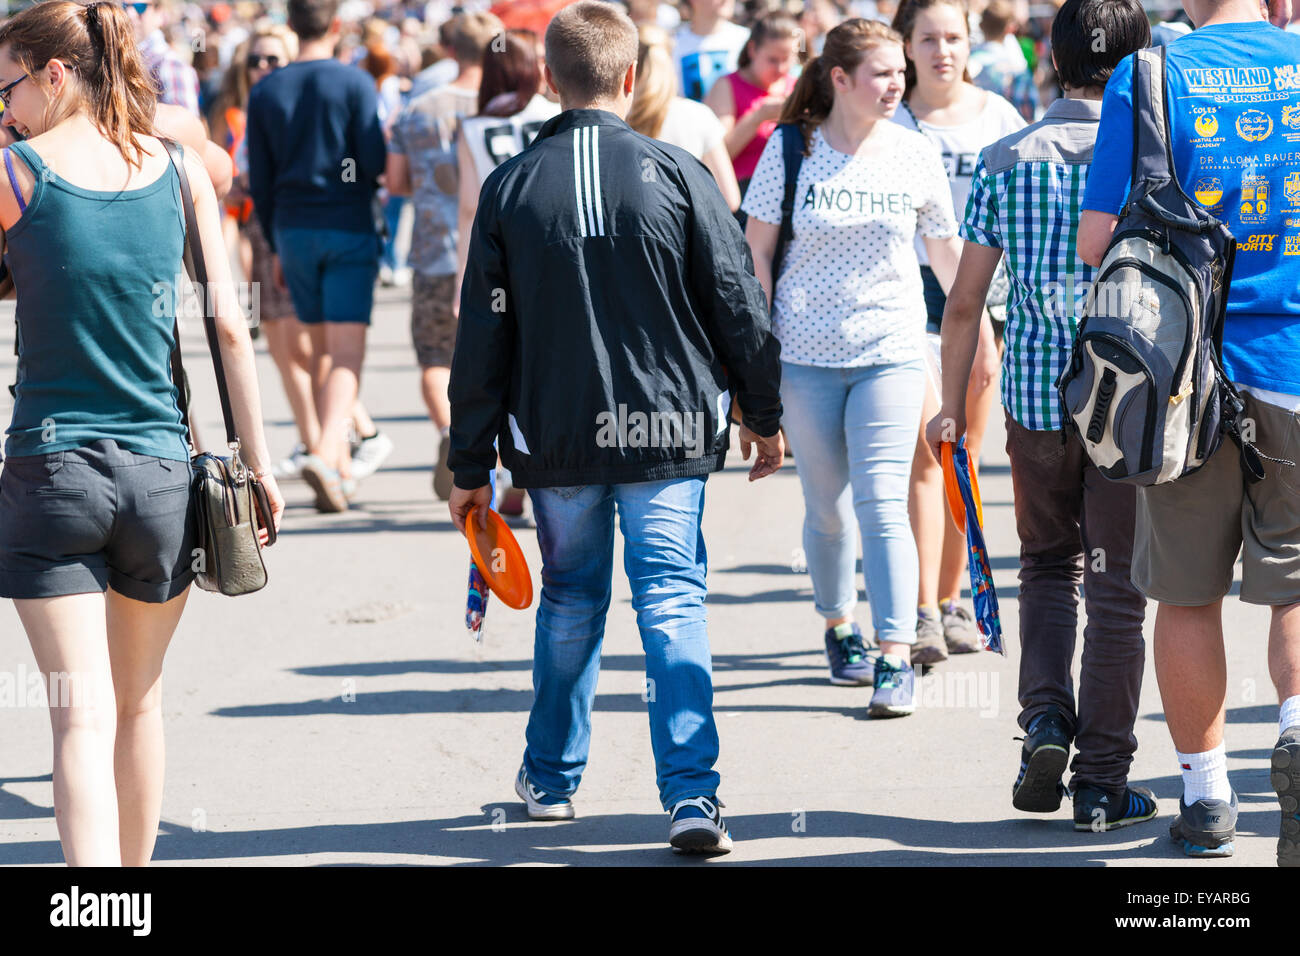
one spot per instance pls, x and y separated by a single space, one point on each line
540 811
1206 845
1037 792
1117 825
325 500
698 837
443 480
1286 782
890 710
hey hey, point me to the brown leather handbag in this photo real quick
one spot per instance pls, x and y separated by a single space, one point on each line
229 500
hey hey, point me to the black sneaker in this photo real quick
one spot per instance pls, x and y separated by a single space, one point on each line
1038 788
1101 810
1206 828
1286 781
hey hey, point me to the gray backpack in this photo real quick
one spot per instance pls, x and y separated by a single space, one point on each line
1145 388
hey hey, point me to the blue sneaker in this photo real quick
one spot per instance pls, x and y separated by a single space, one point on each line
1046 750
1100 811
695 825
1206 828
542 805
1286 781
895 694
853 664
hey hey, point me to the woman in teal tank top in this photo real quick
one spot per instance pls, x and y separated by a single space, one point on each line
96 530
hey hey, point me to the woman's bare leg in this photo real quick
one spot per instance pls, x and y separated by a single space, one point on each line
68 635
138 635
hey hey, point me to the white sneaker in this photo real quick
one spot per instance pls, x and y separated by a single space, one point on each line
542 805
370 454
290 469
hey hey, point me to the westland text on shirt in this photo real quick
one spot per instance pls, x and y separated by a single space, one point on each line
1234 110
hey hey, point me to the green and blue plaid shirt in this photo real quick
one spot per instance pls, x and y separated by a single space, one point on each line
1024 199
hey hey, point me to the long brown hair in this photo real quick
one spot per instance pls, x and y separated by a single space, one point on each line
513 70
656 81
98 43
905 22
845 47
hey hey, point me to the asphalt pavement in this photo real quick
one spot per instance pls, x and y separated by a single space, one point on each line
343 715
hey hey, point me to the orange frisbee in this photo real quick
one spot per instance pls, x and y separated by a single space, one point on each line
955 505
499 559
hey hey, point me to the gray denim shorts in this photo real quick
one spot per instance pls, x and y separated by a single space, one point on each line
94 517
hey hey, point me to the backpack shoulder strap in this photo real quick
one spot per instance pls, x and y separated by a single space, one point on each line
792 147
1153 160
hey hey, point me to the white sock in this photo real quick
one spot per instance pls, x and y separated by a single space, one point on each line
1290 714
1205 776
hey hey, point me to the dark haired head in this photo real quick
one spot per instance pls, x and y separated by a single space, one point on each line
509 67
1091 37
311 19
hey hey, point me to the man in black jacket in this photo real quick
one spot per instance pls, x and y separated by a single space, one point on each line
609 310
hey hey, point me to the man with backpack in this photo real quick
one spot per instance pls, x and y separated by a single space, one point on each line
1073 525
1233 96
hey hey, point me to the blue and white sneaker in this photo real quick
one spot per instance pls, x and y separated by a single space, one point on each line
1206 828
895 694
542 805
696 826
853 664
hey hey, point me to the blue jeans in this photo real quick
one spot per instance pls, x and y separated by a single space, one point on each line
854 431
663 555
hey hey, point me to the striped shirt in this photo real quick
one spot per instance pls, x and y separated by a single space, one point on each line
1024 199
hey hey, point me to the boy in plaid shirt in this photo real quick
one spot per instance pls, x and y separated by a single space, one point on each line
1074 525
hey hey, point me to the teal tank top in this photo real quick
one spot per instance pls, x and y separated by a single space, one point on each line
96 275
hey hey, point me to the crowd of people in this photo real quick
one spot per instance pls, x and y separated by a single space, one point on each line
859 217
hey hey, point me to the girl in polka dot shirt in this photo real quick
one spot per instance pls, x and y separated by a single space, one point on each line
849 312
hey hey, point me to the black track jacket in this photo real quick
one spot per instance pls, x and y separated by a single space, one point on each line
608 305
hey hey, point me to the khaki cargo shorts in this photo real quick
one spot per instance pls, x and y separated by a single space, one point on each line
1190 531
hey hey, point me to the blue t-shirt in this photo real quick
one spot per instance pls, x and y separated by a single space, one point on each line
1233 93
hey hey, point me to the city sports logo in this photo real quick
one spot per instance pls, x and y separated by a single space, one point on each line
1207 124
1208 191
1291 117
1291 189
1254 126
1258 243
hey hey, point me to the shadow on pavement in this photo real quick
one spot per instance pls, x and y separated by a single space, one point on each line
502 834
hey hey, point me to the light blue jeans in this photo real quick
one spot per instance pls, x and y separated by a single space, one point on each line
854 431
663 555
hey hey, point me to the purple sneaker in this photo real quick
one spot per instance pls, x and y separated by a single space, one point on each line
853 664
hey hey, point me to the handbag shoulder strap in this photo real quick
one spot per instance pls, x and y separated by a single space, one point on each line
198 269
792 147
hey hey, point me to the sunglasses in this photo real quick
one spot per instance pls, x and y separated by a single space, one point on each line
5 92
257 61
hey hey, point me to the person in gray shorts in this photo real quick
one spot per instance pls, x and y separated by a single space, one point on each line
97 536
94 517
